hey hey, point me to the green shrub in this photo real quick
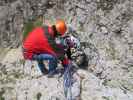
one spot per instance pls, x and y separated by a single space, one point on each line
30 25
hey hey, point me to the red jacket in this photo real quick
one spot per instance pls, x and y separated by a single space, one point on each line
37 43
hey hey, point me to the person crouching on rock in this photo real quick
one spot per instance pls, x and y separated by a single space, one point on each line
40 45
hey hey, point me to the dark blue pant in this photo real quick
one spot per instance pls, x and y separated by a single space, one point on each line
52 62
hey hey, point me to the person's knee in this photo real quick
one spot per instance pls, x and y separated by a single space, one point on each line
52 58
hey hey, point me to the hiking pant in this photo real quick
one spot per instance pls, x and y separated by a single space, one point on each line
52 62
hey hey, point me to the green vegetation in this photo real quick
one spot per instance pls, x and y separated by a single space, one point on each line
38 96
107 98
28 27
2 91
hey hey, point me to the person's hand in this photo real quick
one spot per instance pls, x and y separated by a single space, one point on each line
68 53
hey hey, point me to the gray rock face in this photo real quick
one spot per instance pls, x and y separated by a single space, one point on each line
104 27
89 16
24 82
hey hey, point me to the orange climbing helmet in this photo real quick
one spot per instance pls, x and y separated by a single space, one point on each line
61 26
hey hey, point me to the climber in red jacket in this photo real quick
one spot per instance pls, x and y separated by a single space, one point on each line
40 45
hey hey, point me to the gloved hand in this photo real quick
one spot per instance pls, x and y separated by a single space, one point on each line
68 52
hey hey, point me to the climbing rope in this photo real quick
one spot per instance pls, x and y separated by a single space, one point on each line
68 82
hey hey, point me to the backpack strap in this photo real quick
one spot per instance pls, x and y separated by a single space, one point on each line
52 42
